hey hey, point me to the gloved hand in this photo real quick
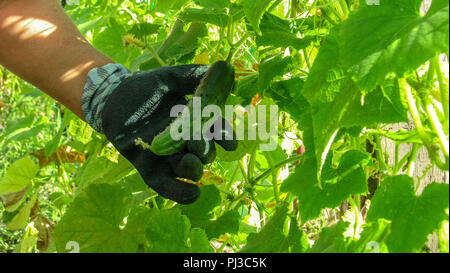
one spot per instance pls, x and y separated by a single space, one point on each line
126 106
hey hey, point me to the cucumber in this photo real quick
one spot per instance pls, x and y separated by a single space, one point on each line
214 88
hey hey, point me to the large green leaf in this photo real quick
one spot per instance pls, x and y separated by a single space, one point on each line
247 87
331 239
199 242
25 134
216 17
287 95
213 4
339 183
325 82
12 201
201 210
179 43
277 32
139 189
444 237
227 223
297 239
271 238
372 239
99 170
337 102
96 221
88 25
254 10
327 76
19 176
382 105
200 213
168 231
15 126
392 37
110 42
141 30
271 68
20 220
413 217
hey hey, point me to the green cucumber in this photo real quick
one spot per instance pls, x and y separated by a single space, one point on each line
214 89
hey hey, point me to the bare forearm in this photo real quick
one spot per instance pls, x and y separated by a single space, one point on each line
40 44
2 2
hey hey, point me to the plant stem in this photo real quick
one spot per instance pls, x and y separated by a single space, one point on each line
219 42
419 126
251 166
274 5
230 182
437 126
442 87
380 156
145 46
331 9
230 31
154 203
244 174
276 167
261 216
344 8
401 162
294 9
356 204
308 64
274 177
431 72
415 113
236 46
65 179
155 55
327 17
412 159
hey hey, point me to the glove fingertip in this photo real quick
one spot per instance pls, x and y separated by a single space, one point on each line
174 189
190 167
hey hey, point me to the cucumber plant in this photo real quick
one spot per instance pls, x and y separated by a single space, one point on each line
342 73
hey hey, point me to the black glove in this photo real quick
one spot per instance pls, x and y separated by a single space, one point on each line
138 106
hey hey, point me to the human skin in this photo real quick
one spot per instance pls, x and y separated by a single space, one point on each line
40 44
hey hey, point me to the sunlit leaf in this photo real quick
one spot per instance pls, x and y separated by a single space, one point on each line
19 175
413 217
95 222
